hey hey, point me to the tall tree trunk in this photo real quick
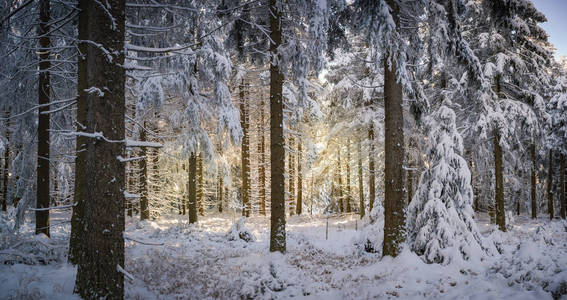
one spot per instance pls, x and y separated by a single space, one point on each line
192 188
291 174
130 173
498 170
499 184
201 187
6 166
245 153
562 187
277 151
550 186
347 163
44 89
262 164
533 181
299 206
220 187
394 218
360 184
77 219
474 185
371 170
340 182
98 274
144 203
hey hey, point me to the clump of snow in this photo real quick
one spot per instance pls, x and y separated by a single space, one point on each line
239 231
372 233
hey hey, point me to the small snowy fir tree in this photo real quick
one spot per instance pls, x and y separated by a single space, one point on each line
440 217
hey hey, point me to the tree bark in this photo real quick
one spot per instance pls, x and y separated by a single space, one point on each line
291 174
277 151
371 170
77 226
219 189
340 182
394 218
192 188
98 274
6 166
348 191
533 181
562 187
262 163
44 89
550 207
299 206
360 184
245 152
200 187
499 184
144 203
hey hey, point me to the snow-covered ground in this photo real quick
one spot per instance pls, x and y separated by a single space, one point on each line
204 261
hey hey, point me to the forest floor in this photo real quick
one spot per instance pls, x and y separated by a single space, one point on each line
202 261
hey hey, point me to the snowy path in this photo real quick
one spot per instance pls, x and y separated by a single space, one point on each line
199 262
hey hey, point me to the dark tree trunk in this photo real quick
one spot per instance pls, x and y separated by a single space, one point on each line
201 187
499 184
474 185
192 188
299 206
562 187
245 153
77 219
277 151
6 166
371 170
291 174
220 188
550 186
394 218
98 273
340 182
360 184
44 89
262 164
533 181
144 203
500 214
348 191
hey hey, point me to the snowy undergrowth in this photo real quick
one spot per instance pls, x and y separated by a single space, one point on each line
202 261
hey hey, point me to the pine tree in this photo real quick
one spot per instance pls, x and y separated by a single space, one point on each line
44 89
277 151
99 271
440 216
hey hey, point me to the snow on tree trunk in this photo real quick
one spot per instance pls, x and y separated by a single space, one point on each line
394 203
98 272
440 220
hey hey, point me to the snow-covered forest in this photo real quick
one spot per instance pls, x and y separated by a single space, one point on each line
270 149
